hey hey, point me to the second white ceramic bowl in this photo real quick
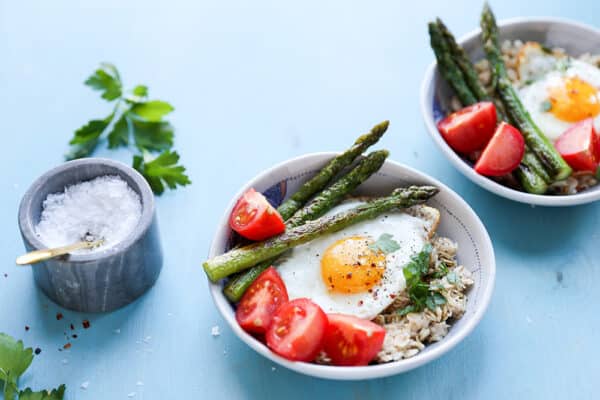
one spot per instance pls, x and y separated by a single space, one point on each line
574 37
458 222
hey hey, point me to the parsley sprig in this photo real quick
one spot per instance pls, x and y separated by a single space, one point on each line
418 289
135 120
14 361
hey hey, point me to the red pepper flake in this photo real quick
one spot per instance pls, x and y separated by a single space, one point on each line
67 346
72 327
59 316
392 296
37 351
86 324
27 328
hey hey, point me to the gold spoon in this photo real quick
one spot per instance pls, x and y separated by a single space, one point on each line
36 256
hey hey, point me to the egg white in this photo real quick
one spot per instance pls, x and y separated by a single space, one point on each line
300 269
535 94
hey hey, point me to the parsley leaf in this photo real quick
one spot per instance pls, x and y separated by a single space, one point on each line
598 172
140 90
152 111
546 106
133 116
87 137
443 271
452 278
14 361
385 244
153 136
55 394
435 299
119 135
107 80
418 290
90 131
162 170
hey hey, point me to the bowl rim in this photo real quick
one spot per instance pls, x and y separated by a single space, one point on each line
371 371
26 223
458 162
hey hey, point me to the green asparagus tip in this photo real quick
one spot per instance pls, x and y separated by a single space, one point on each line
417 192
382 126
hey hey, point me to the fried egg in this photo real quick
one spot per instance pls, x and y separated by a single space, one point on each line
559 91
344 273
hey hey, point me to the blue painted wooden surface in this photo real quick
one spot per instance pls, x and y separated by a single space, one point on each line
255 83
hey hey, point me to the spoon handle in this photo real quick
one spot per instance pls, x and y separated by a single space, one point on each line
36 256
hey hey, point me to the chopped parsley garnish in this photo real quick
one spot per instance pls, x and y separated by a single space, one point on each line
385 244
546 106
419 291
452 277
14 361
443 271
135 120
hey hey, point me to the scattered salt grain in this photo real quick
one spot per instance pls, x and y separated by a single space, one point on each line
147 339
139 383
130 395
65 361
85 385
215 331
103 208
273 369
116 331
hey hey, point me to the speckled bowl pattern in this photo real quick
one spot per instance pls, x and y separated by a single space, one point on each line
104 280
574 37
458 222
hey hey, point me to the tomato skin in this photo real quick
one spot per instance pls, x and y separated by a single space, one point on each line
256 308
297 329
254 217
471 128
351 341
503 153
580 146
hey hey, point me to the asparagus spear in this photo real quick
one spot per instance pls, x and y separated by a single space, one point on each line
531 174
557 168
461 59
319 181
331 196
529 179
448 68
245 257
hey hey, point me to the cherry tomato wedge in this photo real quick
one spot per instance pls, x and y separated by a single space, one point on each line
580 146
254 217
352 341
297 330
503 153
471 128
256 308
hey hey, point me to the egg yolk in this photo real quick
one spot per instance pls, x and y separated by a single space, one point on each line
574 100
350 266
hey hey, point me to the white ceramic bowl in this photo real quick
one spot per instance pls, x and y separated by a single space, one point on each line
574 37
458 222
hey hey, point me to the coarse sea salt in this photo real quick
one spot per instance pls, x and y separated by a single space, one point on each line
102 208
